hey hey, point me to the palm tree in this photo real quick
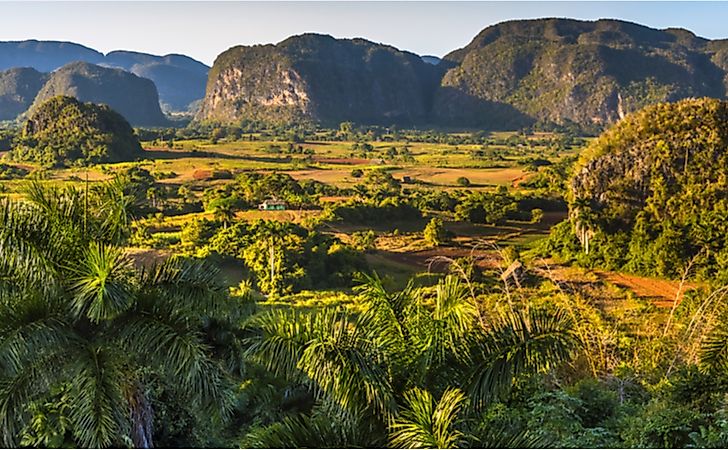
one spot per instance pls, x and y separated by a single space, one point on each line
376 369
77 314
584 219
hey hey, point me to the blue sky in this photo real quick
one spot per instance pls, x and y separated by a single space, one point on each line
204 29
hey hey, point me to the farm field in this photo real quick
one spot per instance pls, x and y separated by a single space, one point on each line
199 163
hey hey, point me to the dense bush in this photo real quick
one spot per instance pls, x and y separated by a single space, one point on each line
372 212
279 257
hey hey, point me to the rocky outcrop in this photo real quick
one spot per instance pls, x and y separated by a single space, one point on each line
666 158
320 79
559 70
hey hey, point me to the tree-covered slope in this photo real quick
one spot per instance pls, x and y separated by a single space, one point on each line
65 131
561 70
133 97
18 88
318 78
651 193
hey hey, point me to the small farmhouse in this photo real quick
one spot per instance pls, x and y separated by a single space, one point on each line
272 205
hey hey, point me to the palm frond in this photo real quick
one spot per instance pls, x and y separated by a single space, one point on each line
520 345
102 283
424 424
98 409
179 352
187 286
112 207
28 253
281 340
346 366
302 431
385 316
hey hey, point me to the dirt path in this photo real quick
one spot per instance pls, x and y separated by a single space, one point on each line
661 292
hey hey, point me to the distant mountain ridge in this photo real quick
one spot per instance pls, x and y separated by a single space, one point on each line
511 75
133 97
180 79
18 89
563 70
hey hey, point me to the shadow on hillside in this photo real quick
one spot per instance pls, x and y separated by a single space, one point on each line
453 106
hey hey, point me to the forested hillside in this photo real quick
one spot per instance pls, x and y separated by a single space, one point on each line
561 70
63 131
651 194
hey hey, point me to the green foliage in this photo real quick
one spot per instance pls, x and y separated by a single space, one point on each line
8 172
363 241
83 328
373 212
399 349
252 188
64 131
435 233
486 207
380 184
426 424
656 184
279 257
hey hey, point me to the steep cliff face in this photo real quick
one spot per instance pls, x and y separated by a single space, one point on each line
321 79
573 71
133 97
18 88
